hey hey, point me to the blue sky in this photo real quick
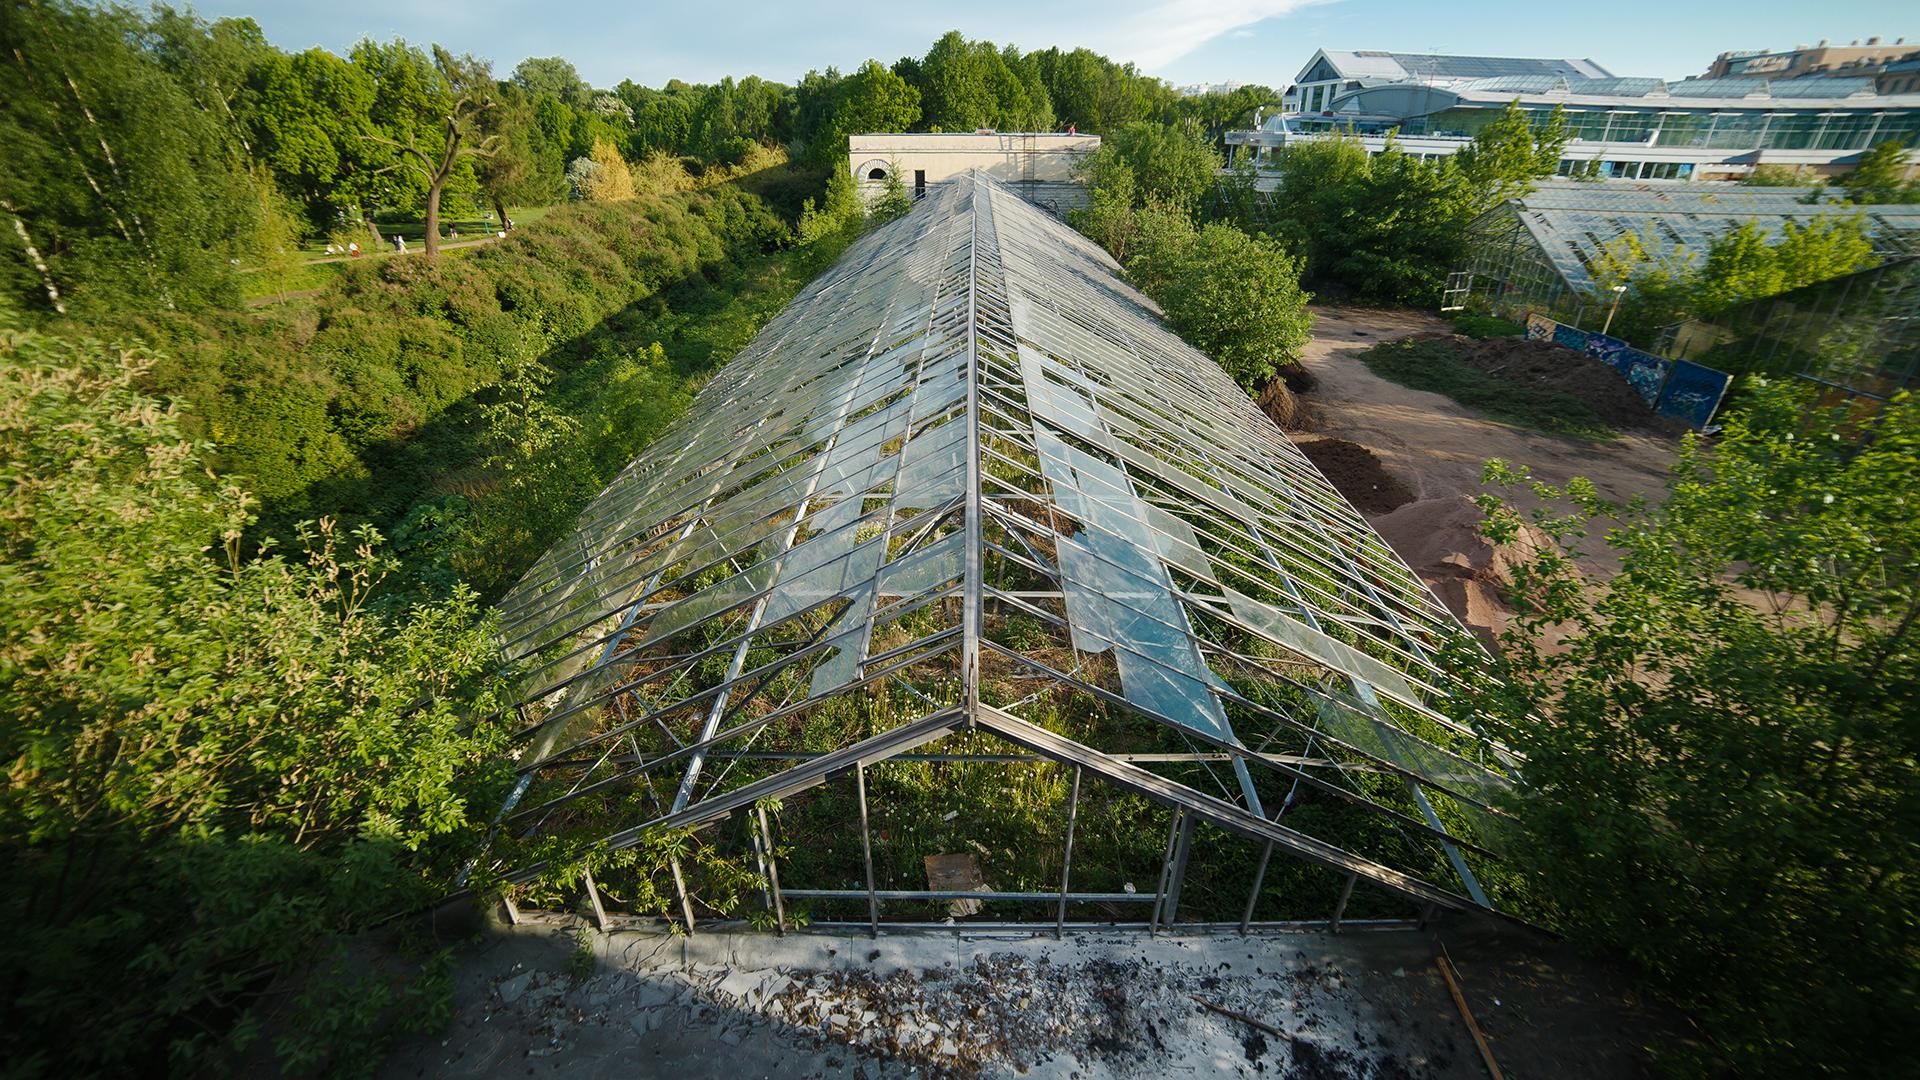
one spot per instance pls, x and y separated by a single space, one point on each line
1182 40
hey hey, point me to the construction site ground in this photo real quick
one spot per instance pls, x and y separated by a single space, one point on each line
1437 447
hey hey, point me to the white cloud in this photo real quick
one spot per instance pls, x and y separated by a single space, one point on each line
1158 35
1243 32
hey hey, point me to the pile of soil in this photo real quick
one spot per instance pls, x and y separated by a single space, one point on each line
1555 367
1357 474
1280 405
1440 539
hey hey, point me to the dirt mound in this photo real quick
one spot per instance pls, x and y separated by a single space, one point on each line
1555 367
1440 539
1356 473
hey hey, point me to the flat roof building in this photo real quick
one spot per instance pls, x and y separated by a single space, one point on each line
1628 128
1038 165
1822 59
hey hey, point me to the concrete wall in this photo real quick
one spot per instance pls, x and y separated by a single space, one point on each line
1038 165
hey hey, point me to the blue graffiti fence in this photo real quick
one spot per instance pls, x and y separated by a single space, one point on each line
1678 389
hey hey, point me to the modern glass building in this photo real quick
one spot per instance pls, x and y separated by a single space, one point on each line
1625 128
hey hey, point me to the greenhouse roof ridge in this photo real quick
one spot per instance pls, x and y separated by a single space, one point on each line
968 484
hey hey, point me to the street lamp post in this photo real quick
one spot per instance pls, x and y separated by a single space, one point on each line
1618 292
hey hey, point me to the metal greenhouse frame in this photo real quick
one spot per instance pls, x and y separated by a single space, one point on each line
1538 252
968 500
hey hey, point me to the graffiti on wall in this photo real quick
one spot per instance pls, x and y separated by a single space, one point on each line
1677 389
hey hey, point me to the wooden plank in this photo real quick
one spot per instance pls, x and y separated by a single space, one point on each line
1460 1002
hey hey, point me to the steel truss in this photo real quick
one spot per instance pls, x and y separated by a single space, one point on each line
968 487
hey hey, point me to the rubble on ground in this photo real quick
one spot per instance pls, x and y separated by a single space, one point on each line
1022 1007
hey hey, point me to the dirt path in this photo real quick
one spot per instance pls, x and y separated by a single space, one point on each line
1438 447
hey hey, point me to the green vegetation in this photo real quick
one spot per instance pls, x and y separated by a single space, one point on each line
218 758
1721 752
1881 177
1742 265
1235 297
1386 227
1486 326
1430 364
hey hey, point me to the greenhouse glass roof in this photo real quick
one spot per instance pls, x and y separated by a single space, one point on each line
967 484
1675 224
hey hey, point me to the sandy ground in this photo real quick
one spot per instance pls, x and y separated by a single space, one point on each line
1437 446
738 1004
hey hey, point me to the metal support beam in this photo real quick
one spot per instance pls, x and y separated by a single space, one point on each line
773 871
789 782
1166 867
1066 856
1259 879
593 897
1224 814
680 887
1340 909
1171 913
866 849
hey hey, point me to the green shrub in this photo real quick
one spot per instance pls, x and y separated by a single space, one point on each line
1720 740
1486 326
216 764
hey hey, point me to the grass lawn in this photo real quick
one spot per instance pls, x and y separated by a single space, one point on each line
1430 364
469 227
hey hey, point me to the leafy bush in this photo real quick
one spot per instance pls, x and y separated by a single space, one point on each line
215 763
1721 742
1235 297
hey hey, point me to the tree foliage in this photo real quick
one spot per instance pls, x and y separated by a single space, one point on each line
1155 162
215 761
871 99
1742 265
120 190
1720 753
1235 297
1385 227
1508 155
1881 176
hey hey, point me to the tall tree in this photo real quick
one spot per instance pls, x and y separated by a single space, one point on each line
553 75
1175 164
437 123
1881 176
871 99
122 191
953 90
1508 154
521 171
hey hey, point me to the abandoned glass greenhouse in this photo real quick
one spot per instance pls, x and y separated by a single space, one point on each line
1558 249
967 562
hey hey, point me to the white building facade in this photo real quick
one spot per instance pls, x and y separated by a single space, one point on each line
1041 166
1620 128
